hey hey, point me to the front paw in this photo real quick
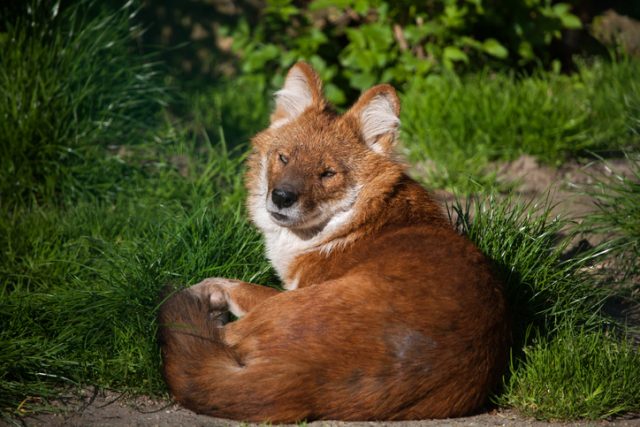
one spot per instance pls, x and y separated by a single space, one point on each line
214 291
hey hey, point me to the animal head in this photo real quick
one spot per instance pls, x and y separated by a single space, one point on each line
312 166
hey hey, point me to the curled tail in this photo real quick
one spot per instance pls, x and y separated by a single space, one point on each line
208 376
192 347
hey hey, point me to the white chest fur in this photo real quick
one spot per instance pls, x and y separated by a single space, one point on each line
283 247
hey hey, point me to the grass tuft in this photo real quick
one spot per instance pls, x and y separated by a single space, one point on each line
68 90
617 217
79 300
526 243
576 375
564 366
241 107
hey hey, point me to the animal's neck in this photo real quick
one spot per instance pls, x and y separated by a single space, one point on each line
284 245
404 203
401 202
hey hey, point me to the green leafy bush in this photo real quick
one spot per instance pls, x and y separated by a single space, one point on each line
357 43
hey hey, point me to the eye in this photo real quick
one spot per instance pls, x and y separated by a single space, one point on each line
328 173
284 159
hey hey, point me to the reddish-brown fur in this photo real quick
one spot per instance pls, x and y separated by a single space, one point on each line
395 316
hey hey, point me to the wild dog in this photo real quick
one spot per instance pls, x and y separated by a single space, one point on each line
389 313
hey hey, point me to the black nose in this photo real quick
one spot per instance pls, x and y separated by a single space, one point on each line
283 198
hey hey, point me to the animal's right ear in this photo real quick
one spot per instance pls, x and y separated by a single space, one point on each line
302 89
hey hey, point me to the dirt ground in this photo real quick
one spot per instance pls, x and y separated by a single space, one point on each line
534 180
111 409
564 185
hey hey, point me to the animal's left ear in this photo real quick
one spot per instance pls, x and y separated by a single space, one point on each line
377 112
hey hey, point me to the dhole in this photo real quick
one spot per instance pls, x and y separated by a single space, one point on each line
389 314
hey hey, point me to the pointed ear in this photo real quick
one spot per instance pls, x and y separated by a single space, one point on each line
377 112
302 89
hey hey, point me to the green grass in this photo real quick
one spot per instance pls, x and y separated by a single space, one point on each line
526 242
103 203
618 218
96 219
457 125
563 365
81 284
69 88
241 107
575 375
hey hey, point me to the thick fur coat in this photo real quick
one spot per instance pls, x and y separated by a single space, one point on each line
388 314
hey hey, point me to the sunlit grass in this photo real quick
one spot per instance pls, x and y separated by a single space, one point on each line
568 360
576 374
617 217
526 242
80 285
457 125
